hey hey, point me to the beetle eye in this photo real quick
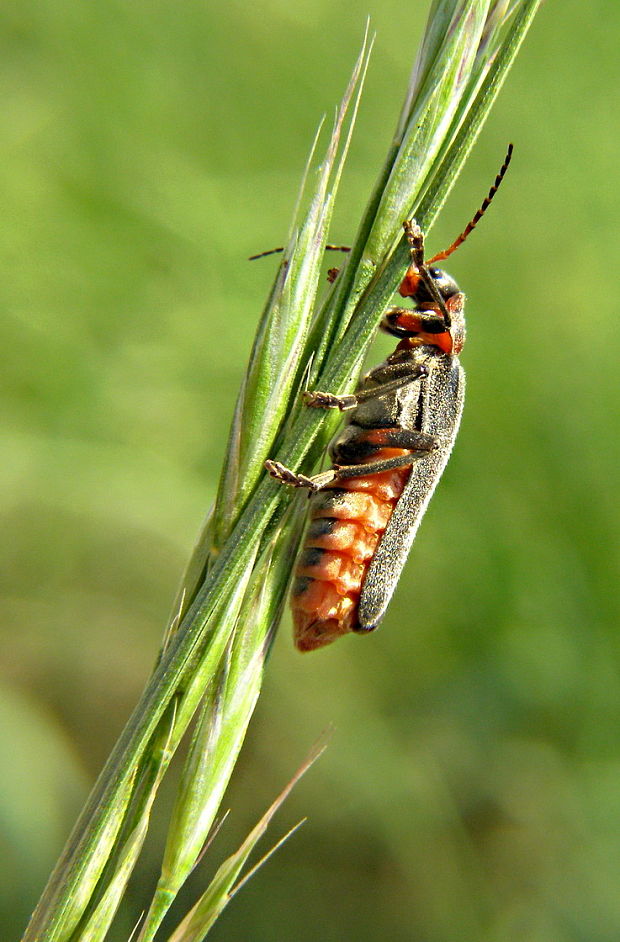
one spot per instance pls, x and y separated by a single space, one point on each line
446 285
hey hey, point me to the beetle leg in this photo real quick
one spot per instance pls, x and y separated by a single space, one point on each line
415 238
319 481
325 400
322 400
415 443
362 446
406 322
285 476
376 467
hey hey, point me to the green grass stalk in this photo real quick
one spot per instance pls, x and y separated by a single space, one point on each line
233 591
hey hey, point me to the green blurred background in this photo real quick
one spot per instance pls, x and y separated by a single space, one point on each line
472 786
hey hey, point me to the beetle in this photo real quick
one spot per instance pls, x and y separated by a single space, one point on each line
401 426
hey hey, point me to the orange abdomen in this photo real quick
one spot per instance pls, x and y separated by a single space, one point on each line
347 520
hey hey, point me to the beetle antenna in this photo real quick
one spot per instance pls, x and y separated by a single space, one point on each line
478 216
431 287
331 248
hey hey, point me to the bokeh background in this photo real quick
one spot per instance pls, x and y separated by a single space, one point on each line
472 786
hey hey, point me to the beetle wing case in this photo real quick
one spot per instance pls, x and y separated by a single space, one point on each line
443 392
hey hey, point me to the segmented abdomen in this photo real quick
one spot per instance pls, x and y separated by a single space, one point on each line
346 523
